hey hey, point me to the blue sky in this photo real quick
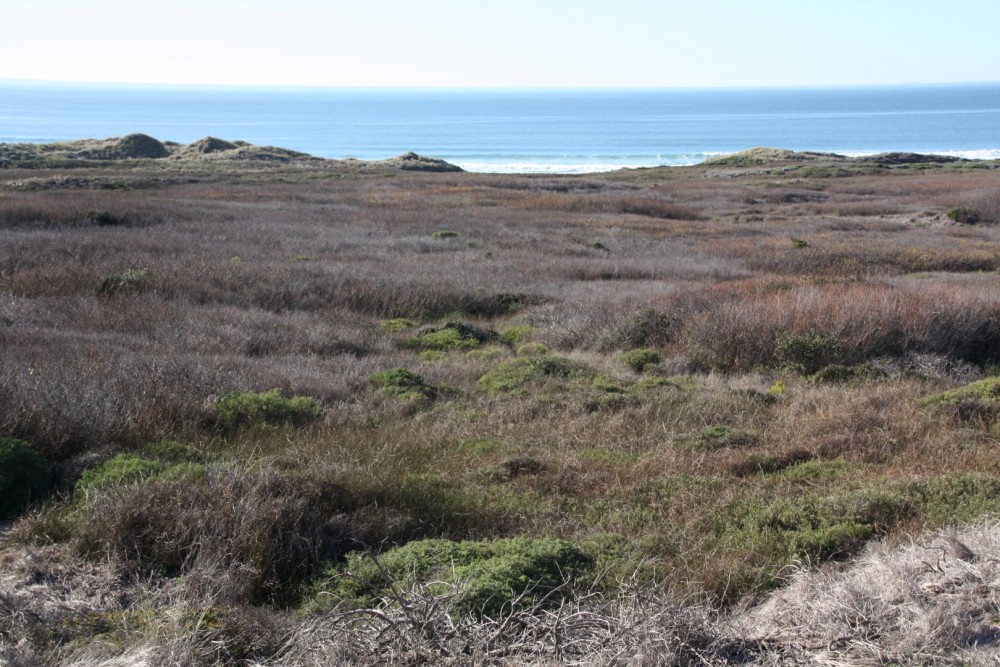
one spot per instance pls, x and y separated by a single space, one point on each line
511 43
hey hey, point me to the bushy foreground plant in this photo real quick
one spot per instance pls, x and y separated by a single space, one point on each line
807 353
403 384
243 408
641 359
450 336
986 390
128 468
489 573
645 328
513 375
24 476
817 528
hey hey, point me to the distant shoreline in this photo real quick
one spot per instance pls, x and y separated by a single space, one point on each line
526 131
142 148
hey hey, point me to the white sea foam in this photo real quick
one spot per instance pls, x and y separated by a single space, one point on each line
529 167
971 154
676 160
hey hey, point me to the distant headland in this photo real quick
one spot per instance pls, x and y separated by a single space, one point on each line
139 146
142 147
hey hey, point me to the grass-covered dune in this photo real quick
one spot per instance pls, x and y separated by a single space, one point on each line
291 411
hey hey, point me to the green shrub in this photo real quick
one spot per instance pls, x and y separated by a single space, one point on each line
841 373
24 476
395 325
488 352
531 350
243 408
639 360
444 234
517 334
171 451
601 382
448 337
654 382
807 353
965 216
119 470
403 384
127 468
129 281
821 527
987 390
488 574
646 328
513 375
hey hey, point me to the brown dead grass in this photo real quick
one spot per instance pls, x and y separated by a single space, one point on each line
263 278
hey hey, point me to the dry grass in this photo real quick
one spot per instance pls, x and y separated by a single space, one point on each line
930 601
131 299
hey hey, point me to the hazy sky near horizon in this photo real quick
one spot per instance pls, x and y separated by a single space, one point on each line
510 43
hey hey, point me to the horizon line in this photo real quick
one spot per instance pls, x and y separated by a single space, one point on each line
415 88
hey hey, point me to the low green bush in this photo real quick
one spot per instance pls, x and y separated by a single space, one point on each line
810 471
815 526
964 215
986 390
119 470
639 360
243 408
403 384
513 375
517 334
488 352
531 350
646 328
442 234
807 353
126 468
172 451
395 325
24 477
842 373
488 574
654 382
448 337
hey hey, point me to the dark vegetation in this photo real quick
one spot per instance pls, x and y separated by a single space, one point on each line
263 391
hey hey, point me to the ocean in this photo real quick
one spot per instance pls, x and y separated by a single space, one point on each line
526 131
